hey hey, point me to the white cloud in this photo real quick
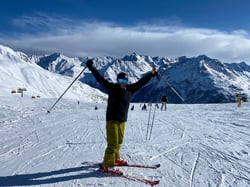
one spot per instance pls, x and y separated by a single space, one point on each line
96 38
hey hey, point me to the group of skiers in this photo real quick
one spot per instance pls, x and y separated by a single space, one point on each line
164 101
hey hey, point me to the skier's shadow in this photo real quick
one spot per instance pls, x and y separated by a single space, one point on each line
49 177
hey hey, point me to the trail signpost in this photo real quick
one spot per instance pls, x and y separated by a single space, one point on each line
21 90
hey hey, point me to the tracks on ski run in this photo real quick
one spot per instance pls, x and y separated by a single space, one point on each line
193 169
197 145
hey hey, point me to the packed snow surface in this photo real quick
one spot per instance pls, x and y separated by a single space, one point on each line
196 145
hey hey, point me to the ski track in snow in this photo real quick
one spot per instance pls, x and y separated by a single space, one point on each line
193 169
197 145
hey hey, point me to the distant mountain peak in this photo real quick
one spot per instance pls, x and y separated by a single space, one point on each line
203 57
132 57
18 56
198 79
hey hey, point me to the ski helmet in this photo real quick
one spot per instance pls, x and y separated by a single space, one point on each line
122 75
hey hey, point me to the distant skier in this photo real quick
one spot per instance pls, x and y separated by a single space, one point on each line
144 107
164 101
119 95
133 107
238 97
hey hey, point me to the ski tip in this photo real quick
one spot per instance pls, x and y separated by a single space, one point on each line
158 165
157 182
152 183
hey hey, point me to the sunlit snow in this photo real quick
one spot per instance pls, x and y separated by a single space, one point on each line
196 145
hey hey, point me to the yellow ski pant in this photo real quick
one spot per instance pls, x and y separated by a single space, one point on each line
115 134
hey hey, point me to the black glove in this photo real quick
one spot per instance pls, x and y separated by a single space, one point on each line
155 73
89 64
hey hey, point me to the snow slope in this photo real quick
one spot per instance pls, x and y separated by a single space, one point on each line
17 71
197 145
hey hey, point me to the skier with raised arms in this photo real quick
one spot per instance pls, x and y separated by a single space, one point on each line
119 95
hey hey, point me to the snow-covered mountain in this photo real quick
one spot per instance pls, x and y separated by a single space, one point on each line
18 71
205 80
197 80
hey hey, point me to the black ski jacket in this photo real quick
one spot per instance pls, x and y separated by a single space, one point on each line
119 98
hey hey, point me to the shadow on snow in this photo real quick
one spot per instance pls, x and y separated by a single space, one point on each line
49 177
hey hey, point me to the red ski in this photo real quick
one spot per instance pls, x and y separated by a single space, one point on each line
129 177
133 178
146 181
155 166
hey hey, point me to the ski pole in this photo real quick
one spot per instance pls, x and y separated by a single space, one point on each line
148 121
66 90
158 76
152 124
173 89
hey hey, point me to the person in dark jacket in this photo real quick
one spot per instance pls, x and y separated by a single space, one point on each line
119 95
164 101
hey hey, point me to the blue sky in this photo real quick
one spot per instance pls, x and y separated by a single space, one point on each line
165 28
